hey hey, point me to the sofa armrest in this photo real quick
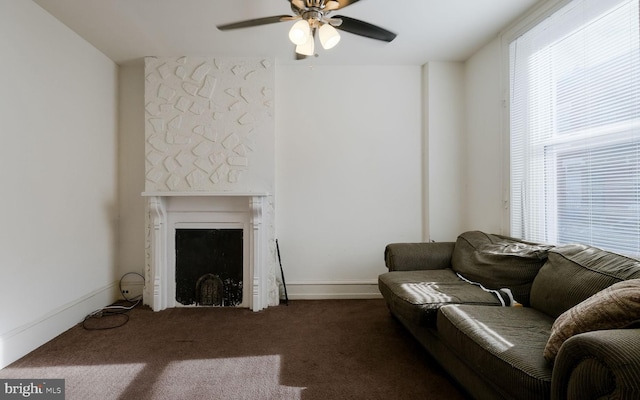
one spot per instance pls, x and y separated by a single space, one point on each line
418 256
598 364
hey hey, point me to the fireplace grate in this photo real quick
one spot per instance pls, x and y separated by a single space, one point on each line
209 291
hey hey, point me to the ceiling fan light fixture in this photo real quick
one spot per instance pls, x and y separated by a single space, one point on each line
307 48
329 36
300 32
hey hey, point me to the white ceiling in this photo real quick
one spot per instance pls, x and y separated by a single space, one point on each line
428 30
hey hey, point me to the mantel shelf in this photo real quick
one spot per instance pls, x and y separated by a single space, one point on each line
205 194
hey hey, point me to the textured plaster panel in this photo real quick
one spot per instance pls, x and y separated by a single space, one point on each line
209 124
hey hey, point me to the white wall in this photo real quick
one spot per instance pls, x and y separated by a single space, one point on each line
58 209
485 152
463 115
348 173
445 109
131 233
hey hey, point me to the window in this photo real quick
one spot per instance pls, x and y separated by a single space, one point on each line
575 127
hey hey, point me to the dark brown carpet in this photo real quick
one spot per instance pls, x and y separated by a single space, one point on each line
325 349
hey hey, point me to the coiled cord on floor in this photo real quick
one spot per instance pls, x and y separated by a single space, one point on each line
115 312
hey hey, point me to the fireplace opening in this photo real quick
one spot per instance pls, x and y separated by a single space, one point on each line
209 267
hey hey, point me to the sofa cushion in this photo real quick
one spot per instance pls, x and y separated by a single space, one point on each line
576 272
499 262
416 295
617 306
501 344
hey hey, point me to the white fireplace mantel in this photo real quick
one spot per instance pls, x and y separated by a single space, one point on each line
161 294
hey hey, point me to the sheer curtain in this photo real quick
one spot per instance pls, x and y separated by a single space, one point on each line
575 127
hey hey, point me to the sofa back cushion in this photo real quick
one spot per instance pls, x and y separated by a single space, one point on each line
498 262
574 273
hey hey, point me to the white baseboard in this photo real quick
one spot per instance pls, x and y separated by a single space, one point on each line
326 290
26 338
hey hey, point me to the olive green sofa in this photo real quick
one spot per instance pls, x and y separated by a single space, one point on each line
509 319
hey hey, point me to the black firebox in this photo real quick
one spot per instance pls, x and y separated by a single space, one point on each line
209 267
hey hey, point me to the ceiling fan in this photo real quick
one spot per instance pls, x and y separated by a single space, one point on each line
313 18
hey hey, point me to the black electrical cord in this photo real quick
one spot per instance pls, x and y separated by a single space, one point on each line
99 326
137 298
115 312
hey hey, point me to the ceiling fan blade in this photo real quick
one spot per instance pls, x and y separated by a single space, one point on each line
366 29
299 4
331 5
255 22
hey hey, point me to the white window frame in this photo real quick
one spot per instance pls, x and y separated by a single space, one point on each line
520 27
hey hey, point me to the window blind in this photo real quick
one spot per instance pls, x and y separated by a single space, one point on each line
575 127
